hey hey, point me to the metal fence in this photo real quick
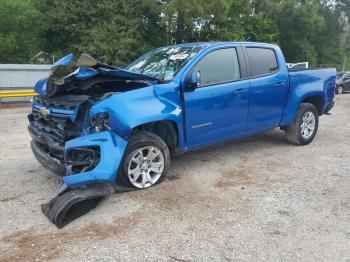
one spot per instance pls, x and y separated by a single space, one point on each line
17 80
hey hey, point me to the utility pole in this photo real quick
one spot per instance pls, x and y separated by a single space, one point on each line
344 63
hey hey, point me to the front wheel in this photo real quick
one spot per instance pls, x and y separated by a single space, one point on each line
145 161
304 127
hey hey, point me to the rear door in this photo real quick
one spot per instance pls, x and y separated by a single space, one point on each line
268 88
218 108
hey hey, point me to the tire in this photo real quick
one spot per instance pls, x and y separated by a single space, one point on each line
339 90
147 143
299 132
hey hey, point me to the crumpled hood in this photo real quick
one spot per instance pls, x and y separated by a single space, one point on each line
68 75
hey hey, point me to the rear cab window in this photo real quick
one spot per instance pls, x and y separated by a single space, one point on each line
218 66
263 61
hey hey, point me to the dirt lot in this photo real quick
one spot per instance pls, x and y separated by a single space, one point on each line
254 199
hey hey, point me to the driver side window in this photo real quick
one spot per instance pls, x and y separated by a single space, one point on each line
218 66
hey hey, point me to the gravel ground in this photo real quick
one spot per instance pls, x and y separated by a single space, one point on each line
254 199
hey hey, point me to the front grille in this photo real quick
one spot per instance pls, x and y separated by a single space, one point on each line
59 129
51 133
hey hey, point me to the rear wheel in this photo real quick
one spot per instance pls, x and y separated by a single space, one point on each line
304 127
145 161
339 90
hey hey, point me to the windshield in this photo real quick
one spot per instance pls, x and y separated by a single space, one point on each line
163 63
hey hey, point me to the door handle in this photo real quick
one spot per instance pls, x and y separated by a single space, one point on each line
280 83
238 91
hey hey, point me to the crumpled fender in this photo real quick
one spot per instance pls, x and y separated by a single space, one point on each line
131 109
112 148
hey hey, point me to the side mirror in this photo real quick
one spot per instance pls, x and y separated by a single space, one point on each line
86 61
193 80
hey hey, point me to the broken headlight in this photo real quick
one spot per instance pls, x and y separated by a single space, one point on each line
100 122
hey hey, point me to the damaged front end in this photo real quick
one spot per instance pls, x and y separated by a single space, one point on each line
84 151
92 162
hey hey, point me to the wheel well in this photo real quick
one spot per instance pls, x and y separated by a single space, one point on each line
317 101
167 130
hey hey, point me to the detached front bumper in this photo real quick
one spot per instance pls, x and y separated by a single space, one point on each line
90 167
111 150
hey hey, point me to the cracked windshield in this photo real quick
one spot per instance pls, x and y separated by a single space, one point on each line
163 63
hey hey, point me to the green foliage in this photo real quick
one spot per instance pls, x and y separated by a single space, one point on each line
18 31
117 31
216 20
346 48
328 43
299 25
309 30
113 31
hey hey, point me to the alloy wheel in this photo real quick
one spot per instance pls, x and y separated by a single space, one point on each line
308 125
145 167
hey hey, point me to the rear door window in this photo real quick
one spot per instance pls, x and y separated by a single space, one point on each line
262 61
218 66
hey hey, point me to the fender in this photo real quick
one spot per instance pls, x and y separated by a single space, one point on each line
314 83
293 104
145 105
112 148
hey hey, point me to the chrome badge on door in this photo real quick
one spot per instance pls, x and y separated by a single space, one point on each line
202 125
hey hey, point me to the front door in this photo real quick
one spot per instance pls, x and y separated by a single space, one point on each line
218 107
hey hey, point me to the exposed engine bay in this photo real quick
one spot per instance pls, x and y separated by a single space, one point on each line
89 77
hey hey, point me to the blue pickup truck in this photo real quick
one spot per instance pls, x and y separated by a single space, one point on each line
101 127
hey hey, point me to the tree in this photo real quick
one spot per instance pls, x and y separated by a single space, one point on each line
329 46
298 25
215 20
113 31
18 31
308 30
117 31
344 6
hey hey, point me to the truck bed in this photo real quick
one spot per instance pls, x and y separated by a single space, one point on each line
321 79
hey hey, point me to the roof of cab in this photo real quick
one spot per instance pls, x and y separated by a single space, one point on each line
207 44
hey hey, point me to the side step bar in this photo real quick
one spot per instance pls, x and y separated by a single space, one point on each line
70 204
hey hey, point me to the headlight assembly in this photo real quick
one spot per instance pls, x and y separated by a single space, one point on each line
100 122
